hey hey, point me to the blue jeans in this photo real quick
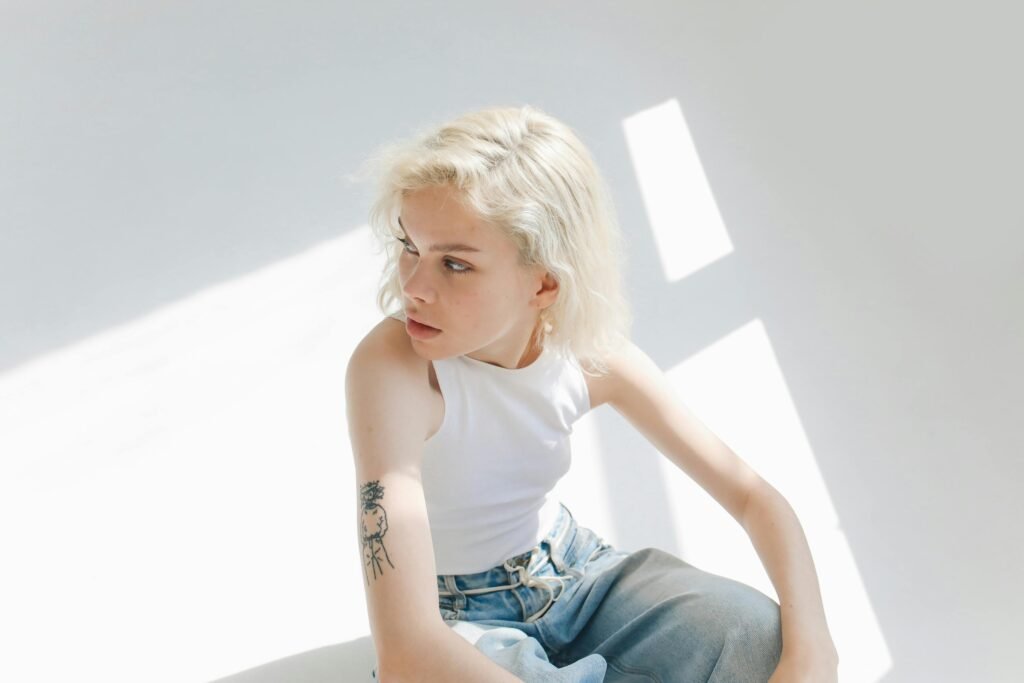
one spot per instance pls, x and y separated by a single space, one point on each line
575 609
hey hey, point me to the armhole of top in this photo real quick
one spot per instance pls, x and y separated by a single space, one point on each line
583 390
445 385
587 404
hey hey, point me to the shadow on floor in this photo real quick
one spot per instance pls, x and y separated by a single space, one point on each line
351 661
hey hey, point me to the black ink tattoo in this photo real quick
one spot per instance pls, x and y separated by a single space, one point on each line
373 524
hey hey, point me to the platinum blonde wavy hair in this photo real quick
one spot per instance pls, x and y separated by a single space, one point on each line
530 175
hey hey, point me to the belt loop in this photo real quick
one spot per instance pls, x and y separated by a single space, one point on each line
557 558
459 598
567 509
556 546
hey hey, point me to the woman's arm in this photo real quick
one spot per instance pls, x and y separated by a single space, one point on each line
779 540
641 393
386 425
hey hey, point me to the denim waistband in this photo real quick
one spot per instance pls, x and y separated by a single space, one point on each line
520 569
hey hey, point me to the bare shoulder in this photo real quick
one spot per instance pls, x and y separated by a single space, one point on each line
626 366
386 338
385 375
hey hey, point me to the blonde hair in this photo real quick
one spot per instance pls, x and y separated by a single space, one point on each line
531 176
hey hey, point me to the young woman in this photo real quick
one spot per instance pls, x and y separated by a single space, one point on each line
505 324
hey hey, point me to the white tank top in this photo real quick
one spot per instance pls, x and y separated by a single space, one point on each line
501 448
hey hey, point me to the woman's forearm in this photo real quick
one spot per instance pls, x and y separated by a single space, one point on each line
779 540
446 656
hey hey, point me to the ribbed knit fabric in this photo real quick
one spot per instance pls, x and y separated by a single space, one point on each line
501 448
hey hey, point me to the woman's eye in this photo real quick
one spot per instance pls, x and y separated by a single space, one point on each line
456 267
452 266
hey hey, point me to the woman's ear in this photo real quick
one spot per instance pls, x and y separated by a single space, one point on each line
547 290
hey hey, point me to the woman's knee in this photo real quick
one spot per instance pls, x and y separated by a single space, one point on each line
730 604
714 627
741 627
751 638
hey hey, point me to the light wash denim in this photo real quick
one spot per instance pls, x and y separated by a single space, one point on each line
575 609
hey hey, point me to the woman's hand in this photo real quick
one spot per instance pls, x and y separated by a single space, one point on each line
807 667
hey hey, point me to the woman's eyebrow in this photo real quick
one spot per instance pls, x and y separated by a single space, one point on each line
449 246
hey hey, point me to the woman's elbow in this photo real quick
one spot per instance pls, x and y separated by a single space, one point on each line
381 675
394 669
406 663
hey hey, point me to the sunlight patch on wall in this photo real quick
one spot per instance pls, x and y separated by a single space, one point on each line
737 389
681 209
178 482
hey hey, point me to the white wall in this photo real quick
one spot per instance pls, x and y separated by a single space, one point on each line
184 270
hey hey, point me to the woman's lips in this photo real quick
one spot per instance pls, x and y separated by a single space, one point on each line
419 330
420 322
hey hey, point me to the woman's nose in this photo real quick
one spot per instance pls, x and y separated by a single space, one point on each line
417 285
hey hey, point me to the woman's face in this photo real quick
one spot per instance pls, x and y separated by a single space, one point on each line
462 276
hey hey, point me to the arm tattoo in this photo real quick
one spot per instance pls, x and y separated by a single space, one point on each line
373 524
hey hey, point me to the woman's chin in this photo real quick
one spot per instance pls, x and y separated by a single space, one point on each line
427 351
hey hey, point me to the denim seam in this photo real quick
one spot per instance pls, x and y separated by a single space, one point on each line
718 660
617 664
522 604
555 654
544 640
541 625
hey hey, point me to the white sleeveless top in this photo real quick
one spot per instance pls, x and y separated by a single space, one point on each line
501 448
